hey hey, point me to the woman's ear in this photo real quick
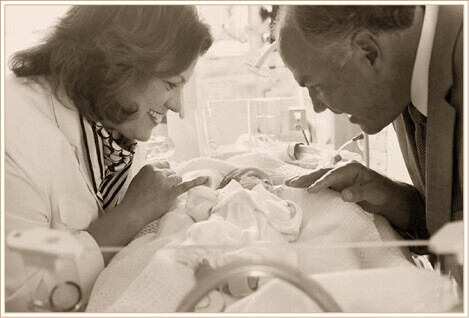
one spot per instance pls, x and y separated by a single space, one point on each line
366 45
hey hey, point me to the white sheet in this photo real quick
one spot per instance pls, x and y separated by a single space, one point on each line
145 278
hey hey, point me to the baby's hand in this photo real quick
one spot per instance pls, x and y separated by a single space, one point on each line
200 201
248 178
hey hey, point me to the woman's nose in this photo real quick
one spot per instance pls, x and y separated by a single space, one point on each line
174 102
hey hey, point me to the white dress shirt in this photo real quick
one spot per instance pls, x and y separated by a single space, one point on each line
419 84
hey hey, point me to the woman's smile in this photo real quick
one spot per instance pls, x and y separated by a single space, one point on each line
155 116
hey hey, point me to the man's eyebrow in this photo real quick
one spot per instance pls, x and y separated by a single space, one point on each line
180 80
183 80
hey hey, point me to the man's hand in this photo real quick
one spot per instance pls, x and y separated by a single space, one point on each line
374 192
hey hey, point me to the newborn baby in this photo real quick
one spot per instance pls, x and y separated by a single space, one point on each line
283 215
245 215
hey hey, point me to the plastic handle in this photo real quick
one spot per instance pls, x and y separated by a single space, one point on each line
226 273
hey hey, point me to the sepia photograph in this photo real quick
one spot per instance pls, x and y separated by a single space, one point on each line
212 158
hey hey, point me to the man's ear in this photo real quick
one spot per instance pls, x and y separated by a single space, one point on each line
365 44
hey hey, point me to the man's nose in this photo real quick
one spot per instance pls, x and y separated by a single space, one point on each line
318 106
174 101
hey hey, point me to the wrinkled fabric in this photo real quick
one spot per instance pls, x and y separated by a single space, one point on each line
237 218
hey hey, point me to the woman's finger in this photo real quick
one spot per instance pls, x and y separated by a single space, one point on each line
161 165
166 172
185 186
173 179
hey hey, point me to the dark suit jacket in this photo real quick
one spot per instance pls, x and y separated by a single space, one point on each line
441 185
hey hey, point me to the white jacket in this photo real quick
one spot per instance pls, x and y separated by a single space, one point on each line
47 184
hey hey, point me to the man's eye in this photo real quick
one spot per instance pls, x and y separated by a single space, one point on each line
170 86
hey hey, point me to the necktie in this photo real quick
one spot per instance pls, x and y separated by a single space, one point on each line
420 133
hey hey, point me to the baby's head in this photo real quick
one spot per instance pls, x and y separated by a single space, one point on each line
248 178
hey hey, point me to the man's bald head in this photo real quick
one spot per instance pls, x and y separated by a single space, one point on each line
330 28
356 60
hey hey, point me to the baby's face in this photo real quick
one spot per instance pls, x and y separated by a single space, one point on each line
248 178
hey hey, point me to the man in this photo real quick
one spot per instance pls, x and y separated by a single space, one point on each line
382 65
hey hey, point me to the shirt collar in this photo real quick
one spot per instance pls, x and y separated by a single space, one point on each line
419 83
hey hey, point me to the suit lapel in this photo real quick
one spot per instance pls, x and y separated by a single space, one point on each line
441 120
440 134
68 121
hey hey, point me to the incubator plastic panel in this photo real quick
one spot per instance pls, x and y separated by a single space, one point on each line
267 248
322 277
232 126
340 260
269 286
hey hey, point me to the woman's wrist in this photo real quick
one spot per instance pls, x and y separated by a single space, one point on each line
134 218
117 227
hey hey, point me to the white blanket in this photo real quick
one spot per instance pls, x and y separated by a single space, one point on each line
144 277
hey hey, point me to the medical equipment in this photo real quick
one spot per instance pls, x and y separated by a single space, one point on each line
48 247
238 270
300 148
300 155
229 127
259 69
160 146
162 279
258 66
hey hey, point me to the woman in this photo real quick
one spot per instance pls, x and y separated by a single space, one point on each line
76 108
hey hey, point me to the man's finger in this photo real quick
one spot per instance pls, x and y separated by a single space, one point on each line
355 194
341 175
369 193
307 179
186 185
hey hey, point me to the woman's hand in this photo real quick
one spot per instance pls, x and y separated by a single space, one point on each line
150 194
154 189
374 192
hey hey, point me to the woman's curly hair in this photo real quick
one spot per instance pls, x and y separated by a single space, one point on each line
100 54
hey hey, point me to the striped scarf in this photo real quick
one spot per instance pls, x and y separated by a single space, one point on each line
110 156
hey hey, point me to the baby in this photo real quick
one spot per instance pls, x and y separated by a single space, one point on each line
244 214
243 183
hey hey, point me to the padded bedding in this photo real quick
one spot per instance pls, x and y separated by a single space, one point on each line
145 277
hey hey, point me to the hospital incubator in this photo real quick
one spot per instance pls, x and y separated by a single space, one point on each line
272 249
254 285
